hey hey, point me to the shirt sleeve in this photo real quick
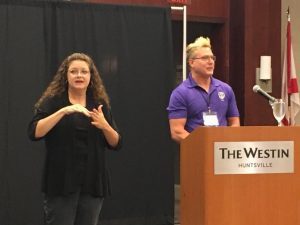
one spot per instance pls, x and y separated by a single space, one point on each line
232 107
109 117
177 107
43 111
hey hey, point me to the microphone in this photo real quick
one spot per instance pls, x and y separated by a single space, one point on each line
257 89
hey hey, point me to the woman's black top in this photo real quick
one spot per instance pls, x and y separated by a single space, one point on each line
75 150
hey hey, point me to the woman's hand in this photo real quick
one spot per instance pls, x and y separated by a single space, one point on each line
98 119
76 108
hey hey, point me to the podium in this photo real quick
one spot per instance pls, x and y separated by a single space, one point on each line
237 199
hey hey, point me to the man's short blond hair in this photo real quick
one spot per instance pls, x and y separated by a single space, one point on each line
200 42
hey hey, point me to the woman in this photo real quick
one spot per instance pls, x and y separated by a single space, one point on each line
73 116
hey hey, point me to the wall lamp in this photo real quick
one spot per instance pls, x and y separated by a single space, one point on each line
264 74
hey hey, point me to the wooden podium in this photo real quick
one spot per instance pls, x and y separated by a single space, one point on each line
237 199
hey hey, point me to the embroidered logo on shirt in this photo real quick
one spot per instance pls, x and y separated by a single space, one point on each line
221 95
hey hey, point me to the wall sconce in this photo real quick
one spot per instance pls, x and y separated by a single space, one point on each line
264 74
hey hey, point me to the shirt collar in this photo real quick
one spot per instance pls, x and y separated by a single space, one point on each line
192 84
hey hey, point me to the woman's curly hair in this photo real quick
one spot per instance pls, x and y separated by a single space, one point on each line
59 84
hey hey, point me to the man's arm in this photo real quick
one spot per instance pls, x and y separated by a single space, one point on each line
178 133
233 121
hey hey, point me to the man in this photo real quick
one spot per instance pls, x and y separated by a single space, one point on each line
201 100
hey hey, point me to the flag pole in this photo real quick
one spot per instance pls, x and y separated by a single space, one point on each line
289 59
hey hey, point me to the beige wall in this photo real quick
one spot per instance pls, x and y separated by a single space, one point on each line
295 25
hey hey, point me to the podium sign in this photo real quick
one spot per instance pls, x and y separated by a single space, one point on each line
254 157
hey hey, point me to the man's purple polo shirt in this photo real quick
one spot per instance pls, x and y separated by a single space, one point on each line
189 101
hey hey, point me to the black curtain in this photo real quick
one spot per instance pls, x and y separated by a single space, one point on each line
132 48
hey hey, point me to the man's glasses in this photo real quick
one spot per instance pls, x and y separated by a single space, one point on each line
207 57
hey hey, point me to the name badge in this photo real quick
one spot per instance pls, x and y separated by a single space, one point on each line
210 119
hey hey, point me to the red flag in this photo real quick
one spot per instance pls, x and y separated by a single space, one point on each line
289 89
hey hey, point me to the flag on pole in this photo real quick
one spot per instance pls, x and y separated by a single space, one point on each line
289 88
